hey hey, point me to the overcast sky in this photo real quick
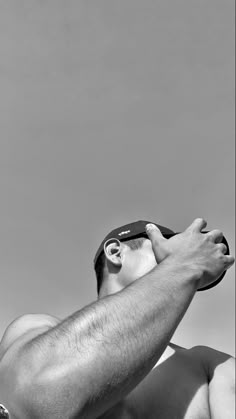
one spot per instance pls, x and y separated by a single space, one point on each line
110 112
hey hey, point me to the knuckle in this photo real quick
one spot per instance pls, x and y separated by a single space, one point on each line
207 238
223 248
222 257
215 235
218 253
198 220
230 260
216 231
226 262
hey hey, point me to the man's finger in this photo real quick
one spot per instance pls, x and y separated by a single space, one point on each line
197 225
222 247
229 260
216 236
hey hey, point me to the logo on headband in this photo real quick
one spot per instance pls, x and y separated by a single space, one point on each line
124 232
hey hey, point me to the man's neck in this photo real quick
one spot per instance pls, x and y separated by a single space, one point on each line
109 287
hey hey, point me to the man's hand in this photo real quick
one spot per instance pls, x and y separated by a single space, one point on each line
85 364
203 252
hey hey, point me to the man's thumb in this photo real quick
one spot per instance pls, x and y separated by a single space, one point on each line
157 240
154 233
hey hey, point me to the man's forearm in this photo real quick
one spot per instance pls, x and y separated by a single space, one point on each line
98 355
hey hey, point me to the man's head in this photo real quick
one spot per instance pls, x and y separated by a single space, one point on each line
124 256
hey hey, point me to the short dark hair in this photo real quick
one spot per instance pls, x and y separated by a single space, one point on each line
133 244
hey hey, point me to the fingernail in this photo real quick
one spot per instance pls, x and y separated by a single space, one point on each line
150 227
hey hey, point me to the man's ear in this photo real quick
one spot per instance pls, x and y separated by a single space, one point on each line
113 251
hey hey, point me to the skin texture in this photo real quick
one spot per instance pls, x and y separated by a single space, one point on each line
91 362
185 383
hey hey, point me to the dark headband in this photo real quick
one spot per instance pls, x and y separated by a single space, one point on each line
137 229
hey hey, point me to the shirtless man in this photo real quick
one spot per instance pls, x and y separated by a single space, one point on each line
113 359
196 383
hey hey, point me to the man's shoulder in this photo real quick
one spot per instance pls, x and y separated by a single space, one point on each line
205 356
208 352
13 359
23 326
213 360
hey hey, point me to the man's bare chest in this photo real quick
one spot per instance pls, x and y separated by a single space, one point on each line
176 388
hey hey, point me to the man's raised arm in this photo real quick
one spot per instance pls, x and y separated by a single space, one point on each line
94 358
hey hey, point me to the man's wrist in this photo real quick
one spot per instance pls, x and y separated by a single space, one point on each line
182 270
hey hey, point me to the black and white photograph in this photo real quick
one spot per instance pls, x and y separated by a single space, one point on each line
117 215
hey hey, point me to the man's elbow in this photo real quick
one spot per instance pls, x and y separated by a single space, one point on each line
42 401
47 394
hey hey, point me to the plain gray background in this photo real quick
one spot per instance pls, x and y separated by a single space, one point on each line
110 112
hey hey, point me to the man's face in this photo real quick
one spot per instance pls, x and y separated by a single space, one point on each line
137 263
